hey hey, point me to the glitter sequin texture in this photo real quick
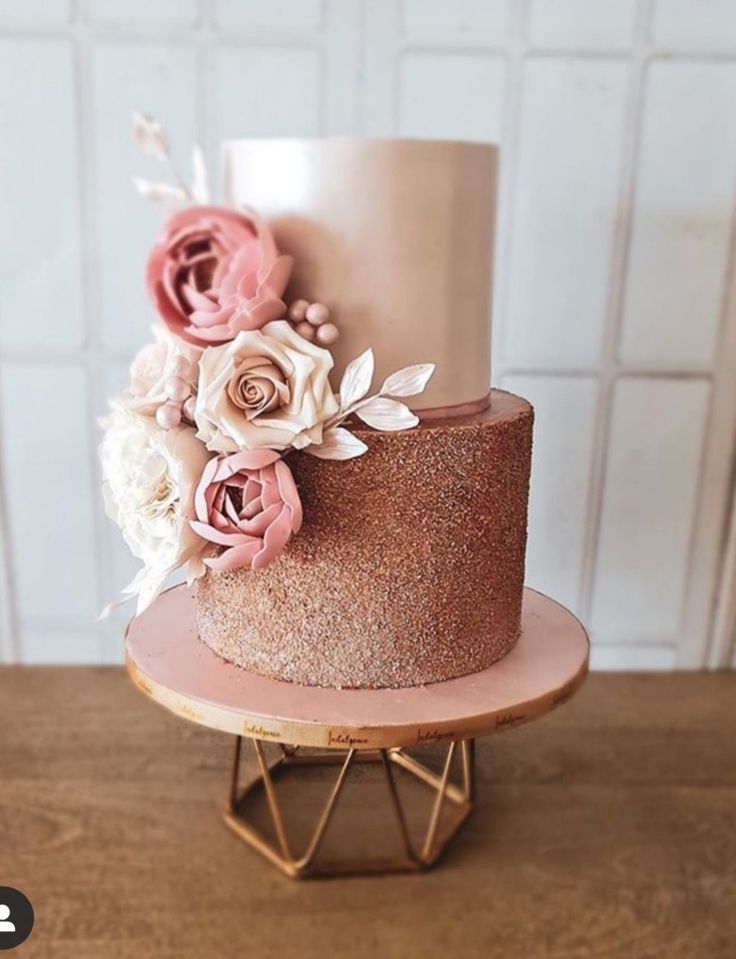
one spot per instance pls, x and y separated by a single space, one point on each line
409 567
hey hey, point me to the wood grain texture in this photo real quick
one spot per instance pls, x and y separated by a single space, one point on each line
605 830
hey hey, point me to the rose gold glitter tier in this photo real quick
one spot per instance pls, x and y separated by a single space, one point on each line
409 568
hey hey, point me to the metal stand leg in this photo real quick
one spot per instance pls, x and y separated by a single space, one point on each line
412 857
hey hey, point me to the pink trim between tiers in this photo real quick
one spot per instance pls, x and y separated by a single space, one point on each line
459 409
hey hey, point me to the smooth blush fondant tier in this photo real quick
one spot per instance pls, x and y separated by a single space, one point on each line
409 568
396 237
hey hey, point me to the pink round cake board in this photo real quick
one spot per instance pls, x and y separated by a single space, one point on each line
168 662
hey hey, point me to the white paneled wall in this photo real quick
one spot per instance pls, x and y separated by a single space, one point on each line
40 233
615 292
564 205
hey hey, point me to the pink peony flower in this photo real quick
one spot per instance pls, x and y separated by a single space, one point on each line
248 503
216 272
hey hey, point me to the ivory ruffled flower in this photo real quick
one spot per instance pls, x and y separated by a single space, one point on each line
267 389
162 372
215 272
249 504
149 479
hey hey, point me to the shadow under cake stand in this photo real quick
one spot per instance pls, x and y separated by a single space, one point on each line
290 727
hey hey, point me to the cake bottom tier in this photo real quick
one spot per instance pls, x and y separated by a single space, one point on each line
408 569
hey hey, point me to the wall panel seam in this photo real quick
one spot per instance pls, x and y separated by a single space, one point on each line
90 302
614 314
510 150
722 645
9 644
702 640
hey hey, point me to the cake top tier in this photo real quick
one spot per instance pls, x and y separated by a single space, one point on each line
395 236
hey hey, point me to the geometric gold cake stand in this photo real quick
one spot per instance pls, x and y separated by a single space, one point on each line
284 732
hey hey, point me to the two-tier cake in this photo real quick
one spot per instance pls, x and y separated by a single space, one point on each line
336 538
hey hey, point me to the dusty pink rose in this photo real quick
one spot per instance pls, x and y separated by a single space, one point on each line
248 503
216 272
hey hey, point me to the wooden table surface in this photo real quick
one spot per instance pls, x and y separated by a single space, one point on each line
607 829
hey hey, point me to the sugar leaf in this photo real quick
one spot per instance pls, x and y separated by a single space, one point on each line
356 379
158 192
338 444
150 137
384 414
199 189
409 381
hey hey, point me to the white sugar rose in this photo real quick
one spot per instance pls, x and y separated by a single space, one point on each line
149 480
266 389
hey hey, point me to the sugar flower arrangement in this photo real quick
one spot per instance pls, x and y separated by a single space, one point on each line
194 453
